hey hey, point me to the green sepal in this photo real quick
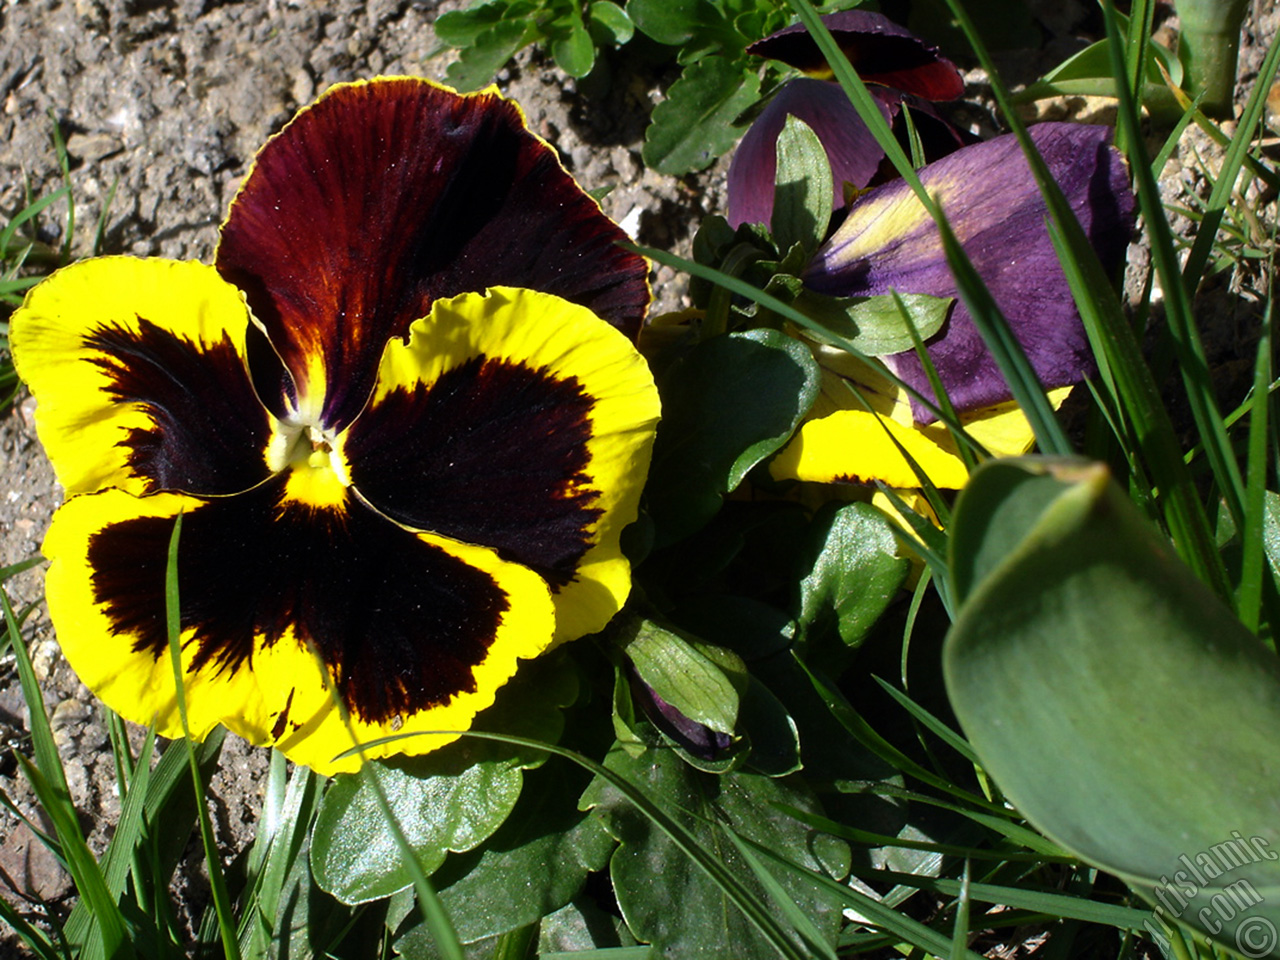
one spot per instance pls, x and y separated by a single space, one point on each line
700 681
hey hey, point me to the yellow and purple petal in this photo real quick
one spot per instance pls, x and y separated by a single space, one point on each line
881 51
888 242
139 373
851 149
519 421
387 195
284 605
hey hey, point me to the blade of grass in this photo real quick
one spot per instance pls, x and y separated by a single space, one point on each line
734 890
1038 901
948 736
1113 338
213 862
1237 150
1252 559
1178 311
798 919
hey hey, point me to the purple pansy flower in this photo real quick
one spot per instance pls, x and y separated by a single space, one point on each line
900 69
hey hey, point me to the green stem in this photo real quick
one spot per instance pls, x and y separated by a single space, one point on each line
1208 43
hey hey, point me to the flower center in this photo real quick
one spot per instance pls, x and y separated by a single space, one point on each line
317 471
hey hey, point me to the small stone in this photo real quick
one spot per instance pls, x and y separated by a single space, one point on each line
92 147
29 868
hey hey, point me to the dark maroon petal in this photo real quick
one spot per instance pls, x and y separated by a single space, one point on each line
493 453
880 50
209 429
387 195
402 622
854 154
888 242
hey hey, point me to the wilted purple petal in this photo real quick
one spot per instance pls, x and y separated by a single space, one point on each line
854 154
888 242
880 50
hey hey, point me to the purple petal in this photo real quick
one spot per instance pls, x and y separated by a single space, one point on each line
888 242
698 739
854 154
880 50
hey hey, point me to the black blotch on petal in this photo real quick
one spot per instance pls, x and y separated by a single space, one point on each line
402 623
492 453
209 427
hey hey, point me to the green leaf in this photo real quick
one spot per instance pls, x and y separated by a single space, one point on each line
493 47
854 574
697 122
731 402
1118 703
450 800
672 22
669 901
574 53
875 325
444 802
683 674
775 741
802 188
609 23
533 866
464 28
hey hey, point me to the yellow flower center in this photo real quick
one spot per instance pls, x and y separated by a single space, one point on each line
317 471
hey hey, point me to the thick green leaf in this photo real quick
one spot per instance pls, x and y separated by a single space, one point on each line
802 188
1115 700
853 575
733 401
683 674
875 325
668 900
533 866
697 122
1271 532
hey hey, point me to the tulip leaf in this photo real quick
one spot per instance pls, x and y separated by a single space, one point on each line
727 405
852 574
666 898
802 190
697 122
1114 699
535 864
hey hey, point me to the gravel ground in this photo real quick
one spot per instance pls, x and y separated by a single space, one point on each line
166 101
